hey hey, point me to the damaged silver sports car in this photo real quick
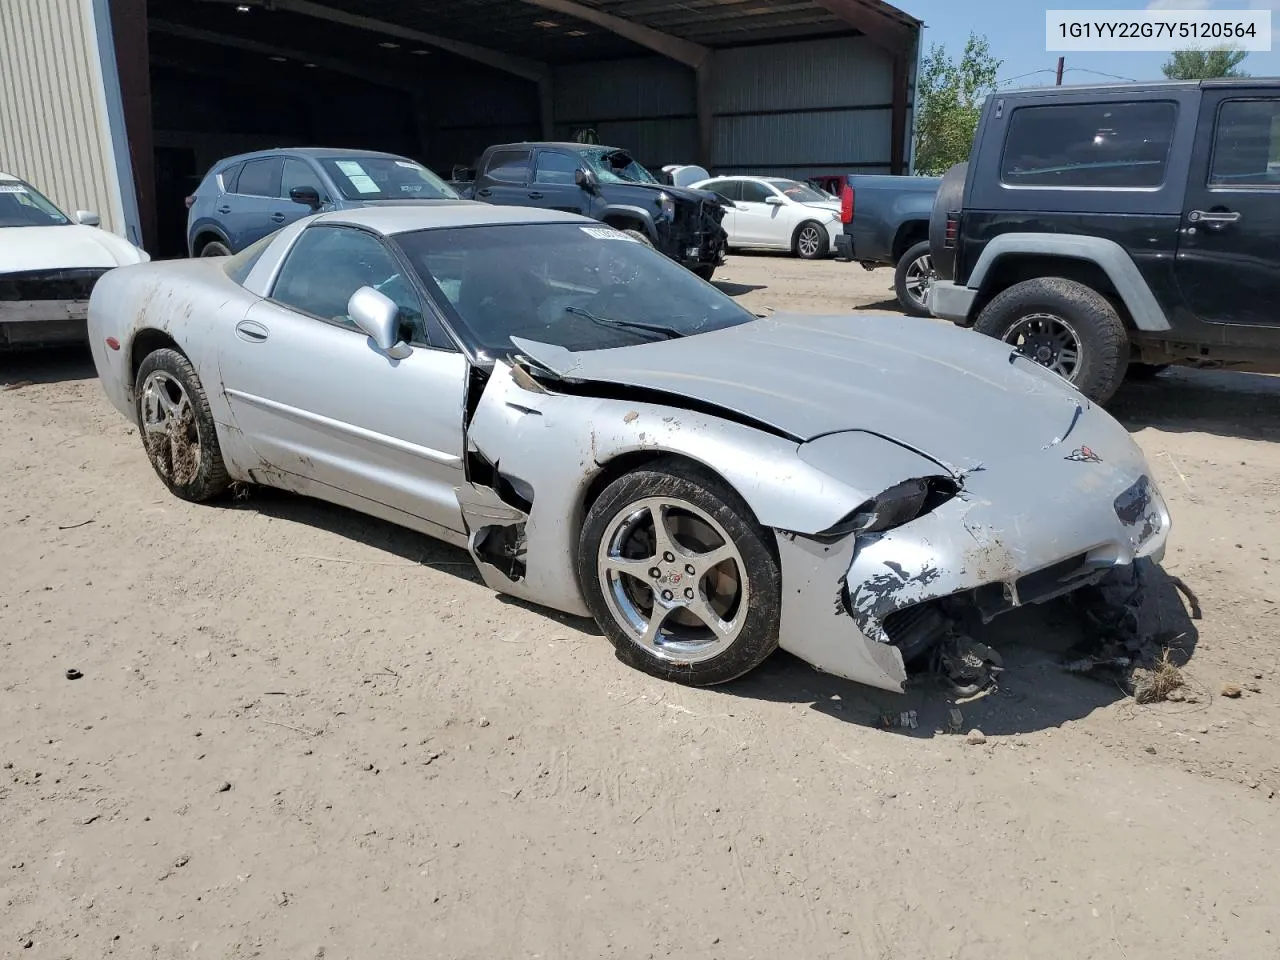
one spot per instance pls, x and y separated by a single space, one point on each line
610 436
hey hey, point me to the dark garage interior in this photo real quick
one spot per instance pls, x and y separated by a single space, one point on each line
798 87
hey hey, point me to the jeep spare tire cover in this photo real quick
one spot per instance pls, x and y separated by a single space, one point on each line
948 199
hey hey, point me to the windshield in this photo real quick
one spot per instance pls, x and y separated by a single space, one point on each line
616 166
21 205
386 178
800 192
581 287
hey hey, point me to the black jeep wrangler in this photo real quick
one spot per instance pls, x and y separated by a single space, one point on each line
1105 231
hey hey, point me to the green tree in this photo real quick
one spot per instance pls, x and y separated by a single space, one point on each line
1204 64
949 98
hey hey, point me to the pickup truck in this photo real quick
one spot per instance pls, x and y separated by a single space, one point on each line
606 184
886 223
1110 231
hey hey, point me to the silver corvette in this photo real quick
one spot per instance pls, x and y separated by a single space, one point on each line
610 436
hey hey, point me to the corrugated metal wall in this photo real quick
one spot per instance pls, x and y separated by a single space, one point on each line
797 109
646 106
789 109
54 127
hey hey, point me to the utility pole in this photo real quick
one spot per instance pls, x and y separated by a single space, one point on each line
1061 61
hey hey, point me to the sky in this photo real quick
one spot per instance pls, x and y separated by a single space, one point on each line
1015 29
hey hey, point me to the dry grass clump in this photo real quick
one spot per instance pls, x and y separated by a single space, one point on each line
1155 685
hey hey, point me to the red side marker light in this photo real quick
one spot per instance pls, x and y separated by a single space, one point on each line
113 343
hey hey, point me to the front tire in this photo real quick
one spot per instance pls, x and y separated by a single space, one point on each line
811 241
680 576
911 279
1065 326
177 428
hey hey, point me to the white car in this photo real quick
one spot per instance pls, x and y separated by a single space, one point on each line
49 264
772 213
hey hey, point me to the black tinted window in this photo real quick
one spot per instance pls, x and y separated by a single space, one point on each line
328 264
511 166
297 173
1246 146
1089 145
260 178
555 168
727 189
230 175
753 192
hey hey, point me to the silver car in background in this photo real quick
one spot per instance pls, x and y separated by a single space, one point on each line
610 436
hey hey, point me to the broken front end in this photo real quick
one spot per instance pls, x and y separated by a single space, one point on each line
690 232
41 307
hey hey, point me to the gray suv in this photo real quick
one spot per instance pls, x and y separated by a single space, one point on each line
246 197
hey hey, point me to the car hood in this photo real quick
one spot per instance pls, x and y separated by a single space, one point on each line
681 193
69 247
832 205
955 396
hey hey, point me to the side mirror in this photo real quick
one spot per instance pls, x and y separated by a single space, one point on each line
774 200
586 180
307 196
88 218
377 315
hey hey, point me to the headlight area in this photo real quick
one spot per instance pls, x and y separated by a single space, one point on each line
893 508
667 207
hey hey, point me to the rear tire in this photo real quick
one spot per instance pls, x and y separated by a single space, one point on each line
176 425
810 241
215 248
1048 318
702 518
911 279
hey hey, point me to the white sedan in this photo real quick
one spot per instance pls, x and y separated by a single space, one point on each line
772 213
49 263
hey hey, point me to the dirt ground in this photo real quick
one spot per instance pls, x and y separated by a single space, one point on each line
301 733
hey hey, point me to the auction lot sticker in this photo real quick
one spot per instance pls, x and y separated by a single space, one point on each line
1156 30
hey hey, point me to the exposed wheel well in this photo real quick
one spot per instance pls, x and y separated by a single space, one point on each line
620 221
203 239
909 234
1010 270
146 342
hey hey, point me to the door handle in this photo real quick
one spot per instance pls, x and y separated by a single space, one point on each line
224 209
277 218
1213 218
535 195
251 331
484 193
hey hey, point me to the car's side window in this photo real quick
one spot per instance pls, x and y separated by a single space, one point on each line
508 166
753 192
555 168
1108 144
297 173
328 264
730 190
230 176
260 178
1246 144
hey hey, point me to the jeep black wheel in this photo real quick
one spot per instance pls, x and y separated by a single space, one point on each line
1065 326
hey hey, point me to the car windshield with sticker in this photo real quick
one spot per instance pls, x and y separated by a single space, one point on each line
386 178
581 287
21 205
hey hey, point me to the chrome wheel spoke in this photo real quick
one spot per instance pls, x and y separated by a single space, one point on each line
653 629
662 542
633 568
705 562
701 609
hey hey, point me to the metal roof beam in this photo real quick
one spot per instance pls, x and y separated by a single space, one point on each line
883 30
682 51
507 63
382 78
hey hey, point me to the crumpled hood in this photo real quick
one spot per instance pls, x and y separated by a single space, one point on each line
681 193
69 247
951 394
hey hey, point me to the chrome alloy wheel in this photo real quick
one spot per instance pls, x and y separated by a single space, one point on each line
673 580
169 428
809 242
920 275
1050 341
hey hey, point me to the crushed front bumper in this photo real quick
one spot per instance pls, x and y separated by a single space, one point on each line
862 602
46 306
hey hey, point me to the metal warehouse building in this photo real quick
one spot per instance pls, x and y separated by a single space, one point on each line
120 106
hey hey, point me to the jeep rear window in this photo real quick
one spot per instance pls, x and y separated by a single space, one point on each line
1116 145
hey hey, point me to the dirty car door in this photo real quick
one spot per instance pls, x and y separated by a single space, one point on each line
316 399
